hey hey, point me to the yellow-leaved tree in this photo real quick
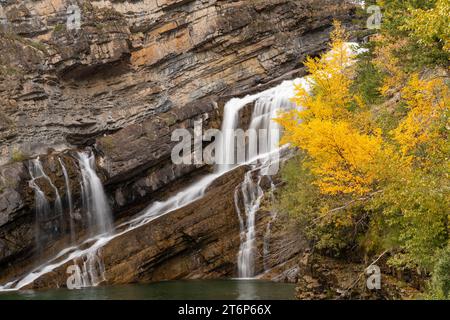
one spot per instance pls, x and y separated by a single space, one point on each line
341 154
423 132
431 27
394 181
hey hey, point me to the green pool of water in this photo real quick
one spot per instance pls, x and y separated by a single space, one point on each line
169 290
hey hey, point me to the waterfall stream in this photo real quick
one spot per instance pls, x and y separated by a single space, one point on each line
98 212
69 200
93 195
42 206
47 218
267 234
266 153
259 157
266 105
252 195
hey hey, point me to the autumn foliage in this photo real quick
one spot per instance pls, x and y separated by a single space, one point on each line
342 151
358 179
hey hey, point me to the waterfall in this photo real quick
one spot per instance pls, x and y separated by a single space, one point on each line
261 155
252 195
42 210
69 200
273 217
226 153
93 195
38 172
96 206
45 216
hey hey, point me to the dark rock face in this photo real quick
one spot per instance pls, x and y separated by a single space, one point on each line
11 208
11 202
133 73
139 147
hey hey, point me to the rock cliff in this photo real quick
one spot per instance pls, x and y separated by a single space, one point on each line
120 82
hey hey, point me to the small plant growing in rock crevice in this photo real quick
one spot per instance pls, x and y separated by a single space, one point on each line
18 156
60 27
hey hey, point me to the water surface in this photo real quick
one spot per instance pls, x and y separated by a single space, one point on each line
168 290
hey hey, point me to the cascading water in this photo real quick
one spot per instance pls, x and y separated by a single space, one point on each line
252 196
261 156
91 247
273 217
47 218
95 203
94 200
42 208
69 200
98 212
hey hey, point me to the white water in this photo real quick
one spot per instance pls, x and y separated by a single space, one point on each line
261 158
264 131
273 217
267 104
94 200
252 196
69 200
89 249
44 212
42 207
38 172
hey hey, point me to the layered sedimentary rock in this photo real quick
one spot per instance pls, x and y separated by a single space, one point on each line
200 240
131 60
123 79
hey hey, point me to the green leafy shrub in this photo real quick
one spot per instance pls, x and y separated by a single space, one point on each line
440 284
